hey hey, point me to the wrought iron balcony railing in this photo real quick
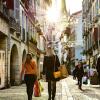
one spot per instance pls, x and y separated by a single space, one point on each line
18 29
12 24
4 12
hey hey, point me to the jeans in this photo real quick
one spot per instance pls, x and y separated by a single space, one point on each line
51 89
29 80
80 82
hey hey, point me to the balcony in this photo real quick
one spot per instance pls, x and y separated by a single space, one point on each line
38 29
4 12
90 26
67 31
33 41
95 19
86 32
18 29
12 24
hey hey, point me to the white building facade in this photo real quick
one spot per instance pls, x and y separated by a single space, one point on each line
76 30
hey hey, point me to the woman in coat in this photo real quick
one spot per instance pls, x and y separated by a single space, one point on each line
50 64
29 69
79 74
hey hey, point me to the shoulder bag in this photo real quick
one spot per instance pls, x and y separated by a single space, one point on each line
57 74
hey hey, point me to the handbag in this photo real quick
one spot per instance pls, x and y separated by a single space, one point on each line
56 74
64 71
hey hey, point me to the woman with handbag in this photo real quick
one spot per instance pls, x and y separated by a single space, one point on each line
50 65
29 69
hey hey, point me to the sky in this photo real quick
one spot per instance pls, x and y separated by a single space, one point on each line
74 5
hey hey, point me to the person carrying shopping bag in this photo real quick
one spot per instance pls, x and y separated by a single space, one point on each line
29 69
50 64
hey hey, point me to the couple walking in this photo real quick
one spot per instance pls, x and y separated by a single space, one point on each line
29 69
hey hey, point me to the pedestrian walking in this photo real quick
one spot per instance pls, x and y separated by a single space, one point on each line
98 69
74 72
29 69
79 74
48 68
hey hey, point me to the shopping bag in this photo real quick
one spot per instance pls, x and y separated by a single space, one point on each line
85 80
41 87
36 89
64 72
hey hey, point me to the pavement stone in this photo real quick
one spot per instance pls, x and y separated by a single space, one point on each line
90 92
66 90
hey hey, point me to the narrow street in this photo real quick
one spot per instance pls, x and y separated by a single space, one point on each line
66 31
66 90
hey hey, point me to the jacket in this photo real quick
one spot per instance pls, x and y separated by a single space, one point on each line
50 64
79 72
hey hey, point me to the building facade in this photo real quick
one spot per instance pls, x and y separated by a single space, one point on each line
10 60
91 30
19 35
76 31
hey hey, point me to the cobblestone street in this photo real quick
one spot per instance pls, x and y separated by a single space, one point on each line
66 90
90 92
